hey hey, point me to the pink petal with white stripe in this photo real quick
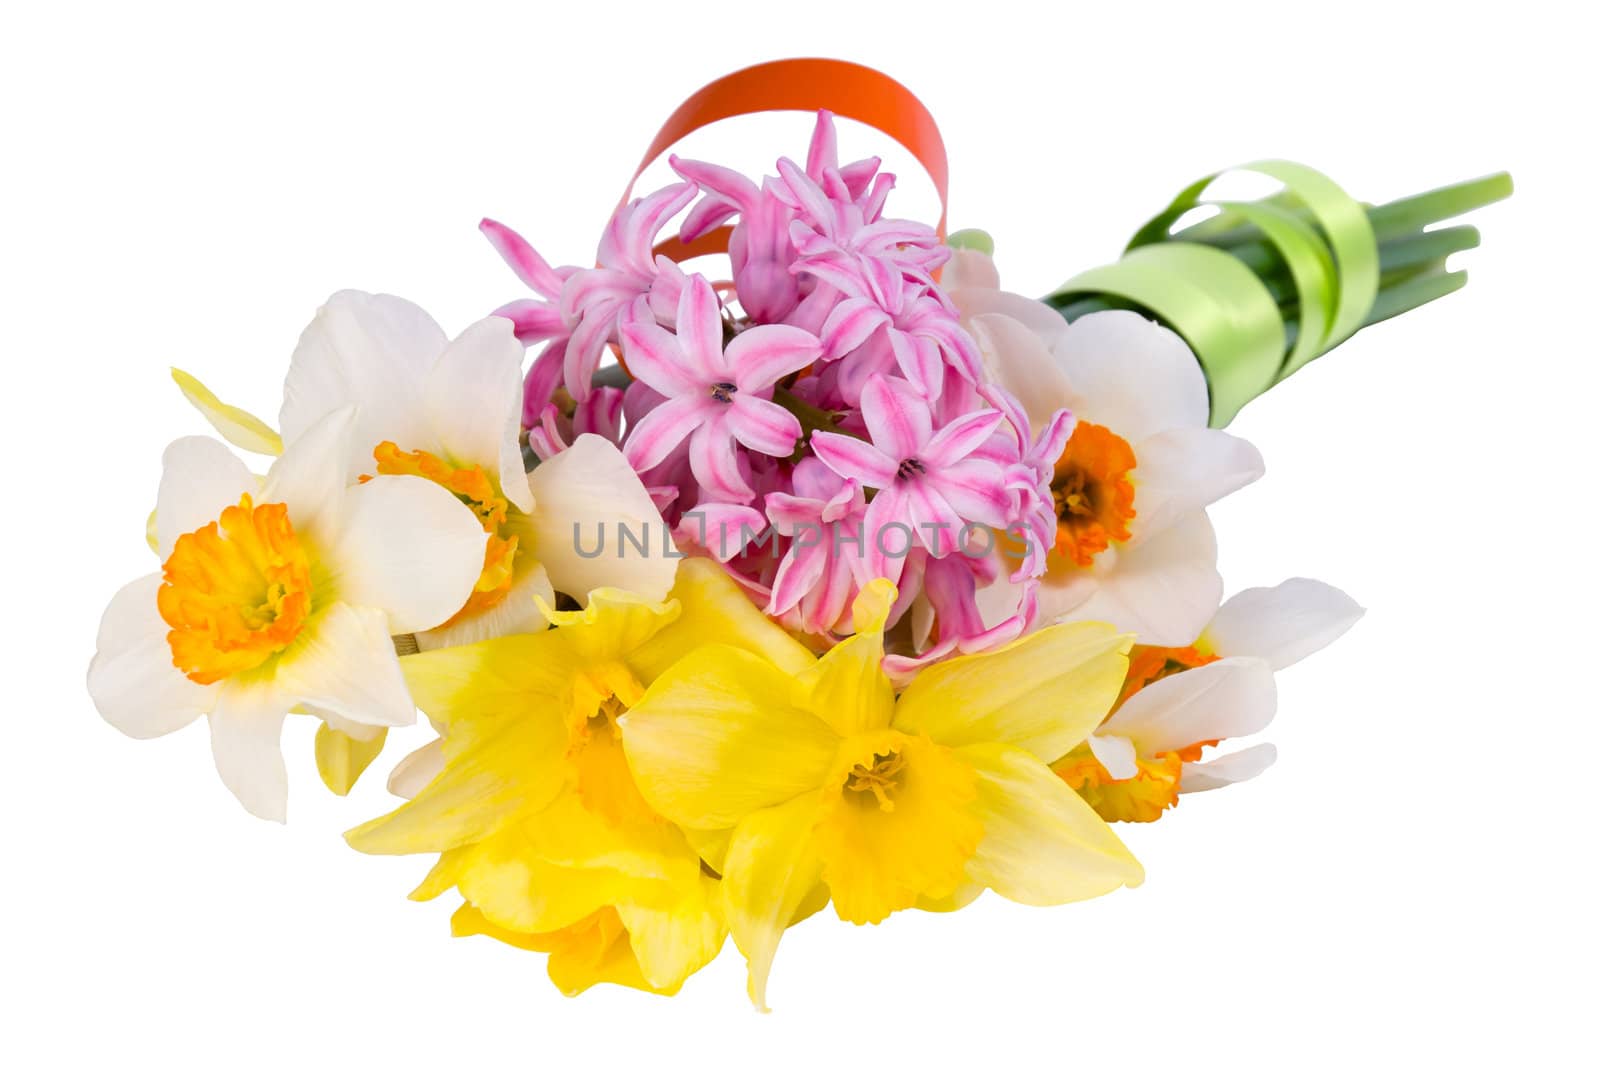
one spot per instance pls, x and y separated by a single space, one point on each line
853 459
763 426
897 417
936 522
977 490
656 358
960 437
529 266
532 320
715 463
662 429
761 356
850 324
699 330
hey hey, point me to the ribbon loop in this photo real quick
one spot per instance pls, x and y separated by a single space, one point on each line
1196 282
846 89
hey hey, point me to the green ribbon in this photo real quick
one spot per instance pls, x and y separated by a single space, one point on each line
1221 307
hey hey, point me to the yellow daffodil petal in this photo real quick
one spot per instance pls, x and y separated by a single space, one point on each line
671 943
486 682
443 875
242 429
502 877
593 950
568 833
1042 845
898 825
1043 693
341 758
613 624
715 610
772 873
711 844
848 688
517 765
717 737
957 900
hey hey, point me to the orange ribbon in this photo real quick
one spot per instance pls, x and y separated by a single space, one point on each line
811 85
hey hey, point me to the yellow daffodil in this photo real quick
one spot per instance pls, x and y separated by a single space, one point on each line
830 785
532 804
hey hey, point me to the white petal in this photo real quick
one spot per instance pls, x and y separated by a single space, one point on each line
1282 624
1116 753
1018 360
132 680
344 663
1164 590
368 350
200 478
1183 470
1229 769
969 269
1036 316
312 474
517 612
1133 375
474 404
409 548
412 773
587 490
245 729
1219 701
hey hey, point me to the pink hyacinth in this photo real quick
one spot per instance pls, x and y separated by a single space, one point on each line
825 564
578 309
716 397
894 322
1030 466
760 248
928 486
922 463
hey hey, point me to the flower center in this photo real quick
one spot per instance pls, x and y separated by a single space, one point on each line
880 778
910 467
1140 798
604 782
1092 492
1146 665
477 491
898 826
723 392
235 592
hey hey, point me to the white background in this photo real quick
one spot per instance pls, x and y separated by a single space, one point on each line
1414 881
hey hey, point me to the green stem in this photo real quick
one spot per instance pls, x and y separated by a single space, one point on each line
1391 220
1413 293
811 417
1424 209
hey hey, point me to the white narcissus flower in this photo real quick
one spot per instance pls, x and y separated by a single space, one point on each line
1133 545
449 411
277 595
1178 701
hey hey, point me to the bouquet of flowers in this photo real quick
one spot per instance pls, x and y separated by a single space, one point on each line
839 575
